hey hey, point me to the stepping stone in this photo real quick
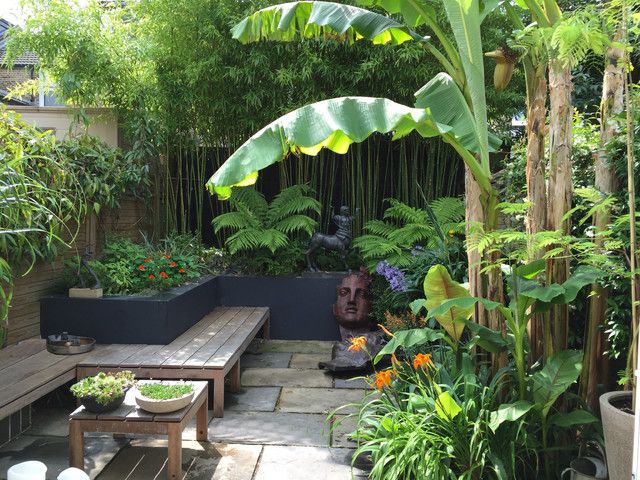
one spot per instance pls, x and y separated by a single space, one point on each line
285 377
308 360
270 428
351 382
252 399
319 400
54 453
279 463
146 459
265 360
296 346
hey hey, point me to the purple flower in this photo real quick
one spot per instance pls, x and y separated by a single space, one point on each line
393 275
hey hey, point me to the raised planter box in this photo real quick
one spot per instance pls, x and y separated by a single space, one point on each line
153 320
300 306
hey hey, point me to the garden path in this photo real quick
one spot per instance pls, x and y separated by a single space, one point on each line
275 428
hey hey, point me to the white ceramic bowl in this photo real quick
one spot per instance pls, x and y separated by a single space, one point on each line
162 406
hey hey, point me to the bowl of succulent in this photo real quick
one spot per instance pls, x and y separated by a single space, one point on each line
163 396
104 392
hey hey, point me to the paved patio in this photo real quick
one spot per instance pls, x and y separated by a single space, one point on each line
275 428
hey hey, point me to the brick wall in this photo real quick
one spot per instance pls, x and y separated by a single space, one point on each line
131 219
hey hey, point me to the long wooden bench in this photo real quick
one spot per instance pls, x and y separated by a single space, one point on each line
208 351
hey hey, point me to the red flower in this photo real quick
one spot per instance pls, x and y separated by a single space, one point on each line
152 277
172 264
167 257
164 275
181 270
147 260
141 268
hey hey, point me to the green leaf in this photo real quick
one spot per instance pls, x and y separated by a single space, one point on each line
531 270
508 412
558 374
488 339
334 124
446 406
411 11
308 19
409 338
439 287
571 419
417 305
544 294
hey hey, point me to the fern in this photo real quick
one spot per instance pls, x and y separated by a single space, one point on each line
405 227
256 223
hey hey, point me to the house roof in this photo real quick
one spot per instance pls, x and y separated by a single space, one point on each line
28 58
13 101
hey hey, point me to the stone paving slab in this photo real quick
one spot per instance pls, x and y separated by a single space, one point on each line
54 453
285 377
278 463
350 382
252 399
319 400
308 360
265 360
270 428
294 346
344 426
146 459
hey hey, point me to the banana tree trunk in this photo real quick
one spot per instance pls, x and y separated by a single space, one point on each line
595 364
474 215
560 189
536 182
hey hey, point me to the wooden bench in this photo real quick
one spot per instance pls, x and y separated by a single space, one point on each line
209 350
28 371
129 418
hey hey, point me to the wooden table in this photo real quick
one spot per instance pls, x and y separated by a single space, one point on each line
129 418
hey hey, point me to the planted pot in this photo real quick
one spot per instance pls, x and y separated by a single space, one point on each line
617 423
91 405
165 405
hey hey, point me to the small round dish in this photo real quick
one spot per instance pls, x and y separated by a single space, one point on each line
163 406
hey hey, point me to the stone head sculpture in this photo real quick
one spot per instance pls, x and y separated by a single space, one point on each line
353 303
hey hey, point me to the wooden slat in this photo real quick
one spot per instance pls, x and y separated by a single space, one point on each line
15 353
240 339
205 335
203 354
112 355
137 358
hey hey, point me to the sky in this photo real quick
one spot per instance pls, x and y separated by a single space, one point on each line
10 10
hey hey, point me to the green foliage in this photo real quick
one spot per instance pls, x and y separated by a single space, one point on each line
105 174
404 227
161 391
126 267
259 224
104 387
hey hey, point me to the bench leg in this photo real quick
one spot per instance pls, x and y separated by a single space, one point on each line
218 394
76 445
266 334
174 457
234 375
202 423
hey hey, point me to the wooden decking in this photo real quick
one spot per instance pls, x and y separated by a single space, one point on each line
207 351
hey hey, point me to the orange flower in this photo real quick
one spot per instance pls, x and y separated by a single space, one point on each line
383 379
152 277
172 264
422 360
164 275
181 270
147 260
357 344
141 268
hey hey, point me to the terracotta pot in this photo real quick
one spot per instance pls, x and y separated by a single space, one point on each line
618 434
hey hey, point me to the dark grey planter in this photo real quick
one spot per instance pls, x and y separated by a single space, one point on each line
300 306
153 320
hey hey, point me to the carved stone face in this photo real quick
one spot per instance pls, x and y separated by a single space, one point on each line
353 305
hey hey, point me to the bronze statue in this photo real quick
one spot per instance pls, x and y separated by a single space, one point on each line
352 307
84 263
339 242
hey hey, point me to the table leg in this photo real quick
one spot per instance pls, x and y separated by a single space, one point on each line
202 422
218 394
234 373
174 457
76 445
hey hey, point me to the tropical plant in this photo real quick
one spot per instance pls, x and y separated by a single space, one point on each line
260 224
405 230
